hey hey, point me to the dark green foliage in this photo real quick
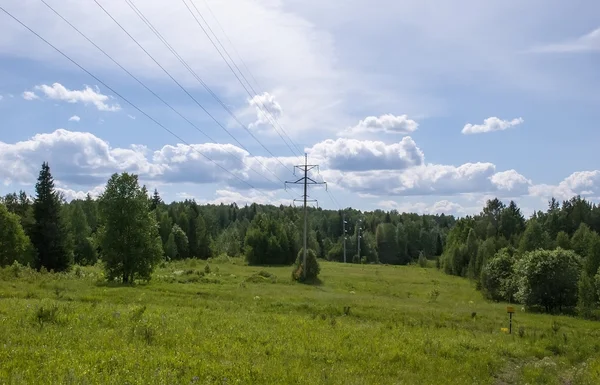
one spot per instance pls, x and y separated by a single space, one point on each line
386 243
563 241
310 271
84 249
267 243
14 243
580 242
497 276
586 295
156 200
50 233
548 278
201 249
170 247
534 237
228 242
592 261
21 205
181 242
131 245
402 244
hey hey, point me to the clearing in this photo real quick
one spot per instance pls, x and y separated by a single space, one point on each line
365 324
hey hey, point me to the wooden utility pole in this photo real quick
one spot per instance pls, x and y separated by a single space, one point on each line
344 227
305 180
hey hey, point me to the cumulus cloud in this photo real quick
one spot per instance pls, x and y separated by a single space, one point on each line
585 183
491 124
74 118
29 95
586 43
360 155
86 96
70 194
81 158
364 167
386 124
511 181
267 109
430 179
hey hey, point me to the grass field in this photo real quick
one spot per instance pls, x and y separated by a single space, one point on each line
405 325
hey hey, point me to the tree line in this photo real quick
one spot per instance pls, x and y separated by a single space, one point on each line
130 231
550 261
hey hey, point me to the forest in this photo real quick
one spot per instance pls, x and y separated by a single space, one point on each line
548 262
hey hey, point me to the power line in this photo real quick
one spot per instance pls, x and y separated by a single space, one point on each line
306 180
129 102
153 93
262 106
185 90
331 196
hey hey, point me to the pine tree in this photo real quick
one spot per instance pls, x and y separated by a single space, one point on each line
50 234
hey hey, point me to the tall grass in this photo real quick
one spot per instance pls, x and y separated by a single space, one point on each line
230 323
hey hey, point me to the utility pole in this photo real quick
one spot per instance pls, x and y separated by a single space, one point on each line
359 237
305 180
344 227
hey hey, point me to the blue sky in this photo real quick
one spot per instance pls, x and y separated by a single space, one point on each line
419 106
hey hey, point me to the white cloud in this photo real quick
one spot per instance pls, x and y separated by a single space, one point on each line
131 117
70 194
360 155
586 43
29 95
511 181
268 111
74 118
491 124
241 199
440 207
369 169
384 124
585 183
86 96
430 179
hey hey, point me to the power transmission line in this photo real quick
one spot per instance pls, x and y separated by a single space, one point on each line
129 102
264 109
183 88
306 180
156 95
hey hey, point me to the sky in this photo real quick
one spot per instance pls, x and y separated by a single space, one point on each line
418 106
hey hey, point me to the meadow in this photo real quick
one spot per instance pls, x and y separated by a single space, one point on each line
229 323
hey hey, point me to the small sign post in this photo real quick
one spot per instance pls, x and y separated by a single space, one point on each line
510 310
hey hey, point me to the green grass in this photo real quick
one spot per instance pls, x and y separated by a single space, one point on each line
236 325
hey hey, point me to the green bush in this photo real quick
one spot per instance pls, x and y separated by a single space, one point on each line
312 266
549 279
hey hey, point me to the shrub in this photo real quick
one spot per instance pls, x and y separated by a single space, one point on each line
497 280
548 279
312 266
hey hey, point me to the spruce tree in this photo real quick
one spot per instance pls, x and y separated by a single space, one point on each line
50 234
155 201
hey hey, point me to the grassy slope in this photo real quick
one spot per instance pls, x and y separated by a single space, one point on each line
223 330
